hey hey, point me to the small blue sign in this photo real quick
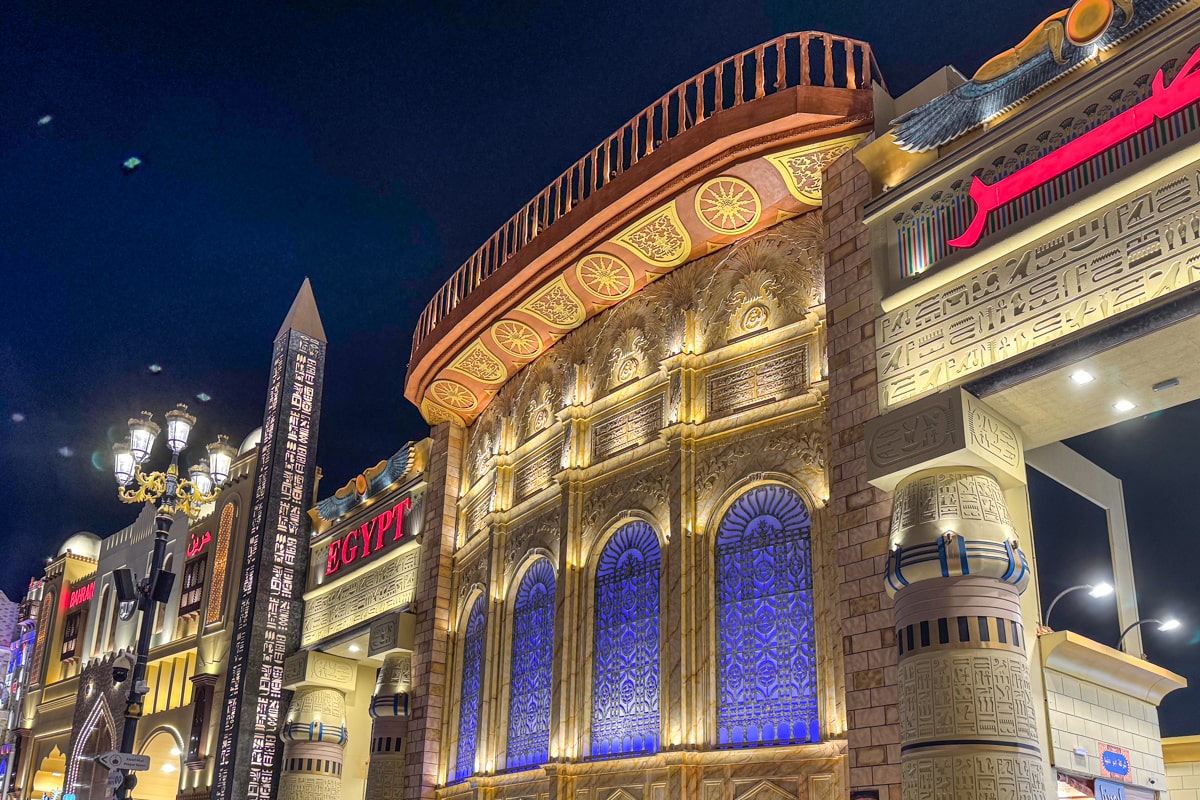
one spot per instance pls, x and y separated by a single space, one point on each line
1115 763
1109 791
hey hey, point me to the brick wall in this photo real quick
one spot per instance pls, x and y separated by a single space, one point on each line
433 605
861 512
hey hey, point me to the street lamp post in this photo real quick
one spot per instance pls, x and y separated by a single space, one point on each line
1101 589
1168 624
170 494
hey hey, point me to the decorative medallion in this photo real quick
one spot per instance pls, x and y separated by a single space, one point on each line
555 304
728 205
516 338
1088 20
607 277
453 394
658 237
479 363
755 317
801 167
628 369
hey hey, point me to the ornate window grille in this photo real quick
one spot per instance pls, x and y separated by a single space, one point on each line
192 594
625 682
766 668
532 668
472 688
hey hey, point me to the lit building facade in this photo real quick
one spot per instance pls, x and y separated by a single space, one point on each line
73 710
728 462
632 582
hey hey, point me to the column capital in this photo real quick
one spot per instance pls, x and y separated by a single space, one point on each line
951 428
310 668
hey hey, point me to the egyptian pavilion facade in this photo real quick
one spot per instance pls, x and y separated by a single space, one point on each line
726 482
724 492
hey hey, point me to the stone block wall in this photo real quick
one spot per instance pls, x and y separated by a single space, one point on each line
861 512
1083 714
1183 781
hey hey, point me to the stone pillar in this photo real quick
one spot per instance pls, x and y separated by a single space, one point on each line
314 735
389 727
433 605
967 720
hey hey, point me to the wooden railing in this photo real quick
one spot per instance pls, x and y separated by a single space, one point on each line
794 59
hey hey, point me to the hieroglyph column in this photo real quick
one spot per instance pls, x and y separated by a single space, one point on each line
314 737
967 719
389 727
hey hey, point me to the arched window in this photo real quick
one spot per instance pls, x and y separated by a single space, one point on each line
472 688
766 668
625 717
532 668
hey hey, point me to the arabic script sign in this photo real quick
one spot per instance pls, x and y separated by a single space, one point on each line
1114 762
1163 101
1128 253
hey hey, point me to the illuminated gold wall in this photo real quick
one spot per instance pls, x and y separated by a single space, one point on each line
664 409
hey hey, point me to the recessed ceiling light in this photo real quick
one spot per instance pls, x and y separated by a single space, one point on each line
354 648
1124 405
1082 376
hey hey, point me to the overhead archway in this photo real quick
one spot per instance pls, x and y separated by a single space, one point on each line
166 762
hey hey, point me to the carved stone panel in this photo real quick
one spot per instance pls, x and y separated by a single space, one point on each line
628 427
756 381
948 428
536 471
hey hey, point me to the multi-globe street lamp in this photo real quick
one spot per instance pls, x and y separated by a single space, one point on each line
170 494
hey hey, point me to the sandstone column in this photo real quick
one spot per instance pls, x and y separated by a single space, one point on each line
967 720
389 727
314 736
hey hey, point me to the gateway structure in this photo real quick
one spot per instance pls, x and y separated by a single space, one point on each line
1005 233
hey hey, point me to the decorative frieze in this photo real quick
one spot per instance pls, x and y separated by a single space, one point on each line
386 587
1119 257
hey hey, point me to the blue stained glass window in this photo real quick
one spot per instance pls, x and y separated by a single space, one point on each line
532 668
625 685
472 687
766 669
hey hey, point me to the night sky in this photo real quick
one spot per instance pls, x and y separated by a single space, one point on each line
372 147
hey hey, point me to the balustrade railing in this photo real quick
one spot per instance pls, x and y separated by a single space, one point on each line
795 59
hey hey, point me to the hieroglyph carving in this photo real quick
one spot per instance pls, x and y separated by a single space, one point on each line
949 496
383 588
1128 253
980 776
981 695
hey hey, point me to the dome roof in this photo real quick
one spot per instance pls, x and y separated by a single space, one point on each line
251 441
84 543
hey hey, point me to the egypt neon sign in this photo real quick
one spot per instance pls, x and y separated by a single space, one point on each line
368 539
81 595
1163 101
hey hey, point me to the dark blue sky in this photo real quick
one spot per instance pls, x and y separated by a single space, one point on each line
370 146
